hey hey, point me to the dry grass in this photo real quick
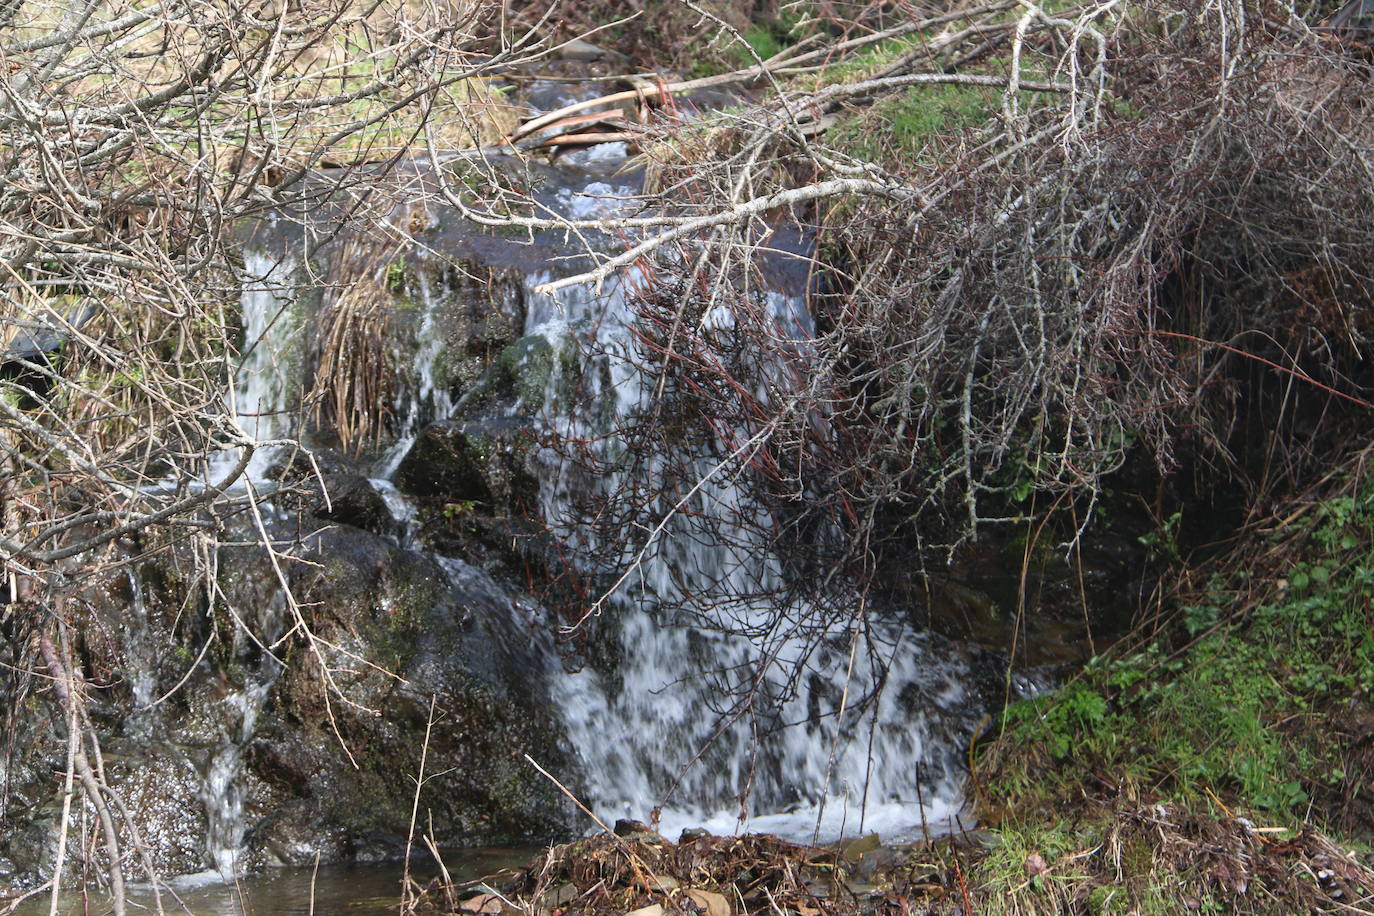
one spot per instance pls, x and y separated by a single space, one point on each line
351 46
351 390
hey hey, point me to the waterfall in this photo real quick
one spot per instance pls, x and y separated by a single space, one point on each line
260 398
812 758
424 398
223 790
140 650
655 734
858 729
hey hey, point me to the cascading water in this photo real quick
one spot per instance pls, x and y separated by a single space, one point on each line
223 789
688 700
423 399
259 400
262 402
803 756
859 730
140 653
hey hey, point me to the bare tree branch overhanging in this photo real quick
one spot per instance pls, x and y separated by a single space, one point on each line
1003 315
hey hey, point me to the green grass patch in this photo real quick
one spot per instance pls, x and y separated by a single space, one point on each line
869 61
770 38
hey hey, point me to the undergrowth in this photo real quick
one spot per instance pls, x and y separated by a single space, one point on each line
1253 699
902 125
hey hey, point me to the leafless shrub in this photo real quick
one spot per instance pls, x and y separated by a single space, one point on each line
1159 251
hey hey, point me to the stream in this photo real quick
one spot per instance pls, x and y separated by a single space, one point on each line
354 890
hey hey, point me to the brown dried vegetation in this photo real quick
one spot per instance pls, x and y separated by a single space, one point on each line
1131 858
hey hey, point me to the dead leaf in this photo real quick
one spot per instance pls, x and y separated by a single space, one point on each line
714 904
1035 865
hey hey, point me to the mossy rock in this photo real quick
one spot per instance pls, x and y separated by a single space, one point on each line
446 464
525 366
400 631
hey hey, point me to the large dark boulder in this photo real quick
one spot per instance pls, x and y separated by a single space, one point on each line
341 740
473 464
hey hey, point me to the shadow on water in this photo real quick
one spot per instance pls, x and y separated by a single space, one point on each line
354 890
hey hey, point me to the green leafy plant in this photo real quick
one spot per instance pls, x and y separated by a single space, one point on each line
1242 699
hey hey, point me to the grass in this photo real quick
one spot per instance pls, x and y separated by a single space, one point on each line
1137 787
768 39
343 59
871 60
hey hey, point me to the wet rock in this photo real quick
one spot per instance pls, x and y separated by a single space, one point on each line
480 311
161 788
353 500
1065 608
523 369
446 465
638 831
560 896
855 850
331 486
517 379
487 904
586 51
314 748
876 861
475 465
403 631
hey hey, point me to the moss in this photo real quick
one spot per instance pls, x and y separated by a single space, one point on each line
902 126
871 60
524 369
771 37
400 612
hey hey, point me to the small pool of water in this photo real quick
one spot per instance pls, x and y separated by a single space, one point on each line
347 890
